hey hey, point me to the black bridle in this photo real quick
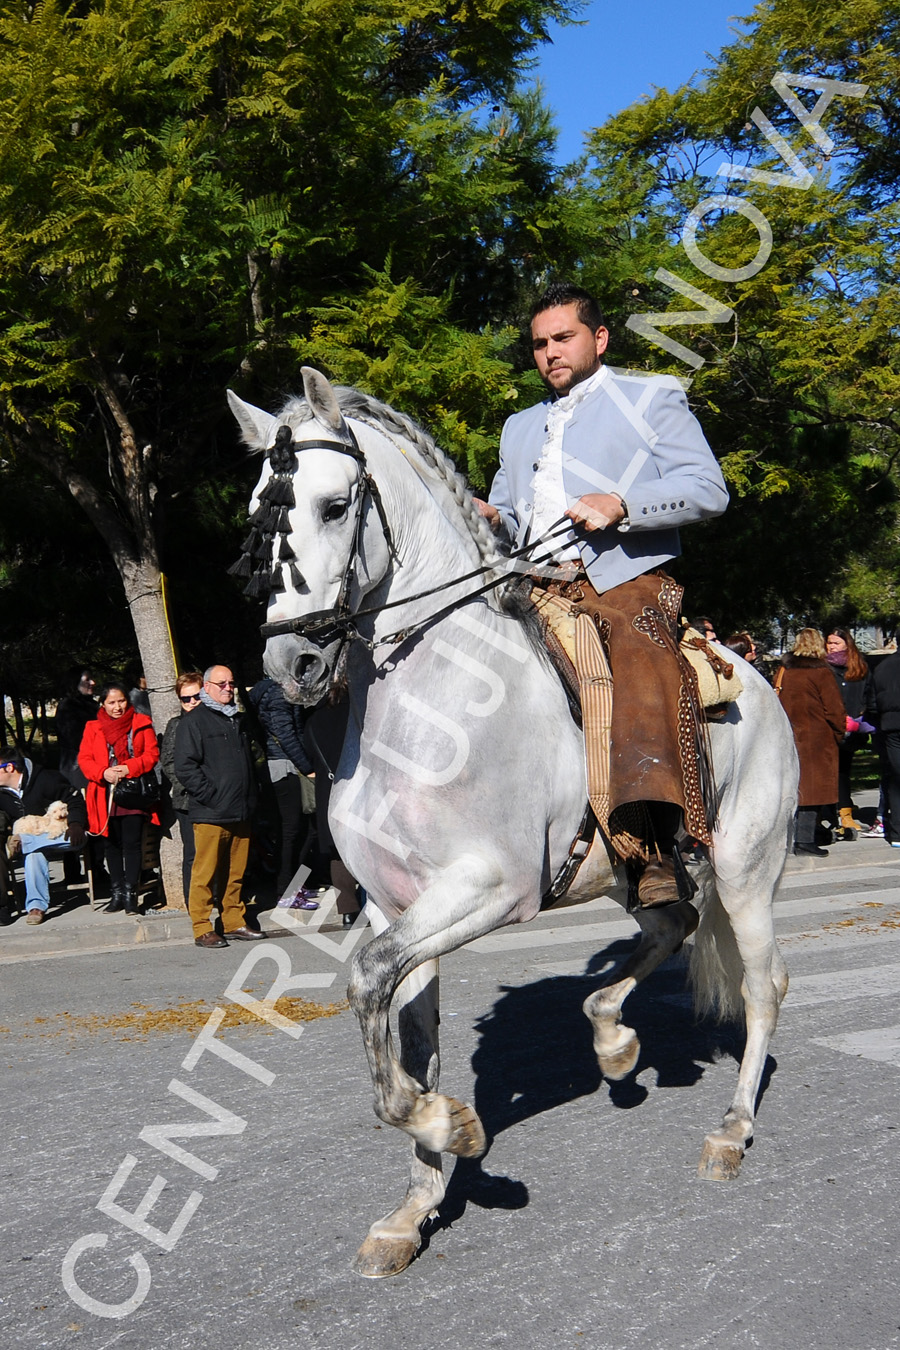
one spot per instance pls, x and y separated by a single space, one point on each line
340 616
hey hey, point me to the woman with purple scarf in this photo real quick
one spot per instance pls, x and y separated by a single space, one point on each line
852 675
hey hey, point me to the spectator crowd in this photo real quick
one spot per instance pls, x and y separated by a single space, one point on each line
238 785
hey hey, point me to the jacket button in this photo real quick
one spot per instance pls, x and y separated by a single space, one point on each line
663 506
653 510
681 503
534 468
643 511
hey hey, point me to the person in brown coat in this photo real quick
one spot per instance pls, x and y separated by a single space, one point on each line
817 716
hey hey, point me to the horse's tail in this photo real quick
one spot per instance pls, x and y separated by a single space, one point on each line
716 969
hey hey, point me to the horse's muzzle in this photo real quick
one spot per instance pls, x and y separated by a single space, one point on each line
302 668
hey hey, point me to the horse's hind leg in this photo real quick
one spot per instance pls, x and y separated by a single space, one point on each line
393 1241
662 932
763 986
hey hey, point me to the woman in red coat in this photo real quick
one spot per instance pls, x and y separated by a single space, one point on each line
106 757
816 713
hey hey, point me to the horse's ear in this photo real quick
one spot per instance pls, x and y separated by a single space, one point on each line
257 427
321 398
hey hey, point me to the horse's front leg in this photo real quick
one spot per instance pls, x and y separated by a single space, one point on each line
466 902
393 1241
662 932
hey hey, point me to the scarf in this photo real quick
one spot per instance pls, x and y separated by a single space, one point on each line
836 658
116 730
227 709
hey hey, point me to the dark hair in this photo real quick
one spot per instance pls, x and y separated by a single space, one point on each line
739 643
113 684
73 677
13 757
567 293
856 668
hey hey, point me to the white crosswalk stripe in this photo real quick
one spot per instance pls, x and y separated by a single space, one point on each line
881 1044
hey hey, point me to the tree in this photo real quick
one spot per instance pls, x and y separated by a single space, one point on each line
792 357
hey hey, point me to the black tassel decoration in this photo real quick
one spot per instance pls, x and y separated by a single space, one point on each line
242 568
296 578
284 524
258 586
278 491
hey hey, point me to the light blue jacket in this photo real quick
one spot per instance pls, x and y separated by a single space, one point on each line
633 435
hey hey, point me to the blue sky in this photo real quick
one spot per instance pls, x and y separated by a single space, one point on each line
624 49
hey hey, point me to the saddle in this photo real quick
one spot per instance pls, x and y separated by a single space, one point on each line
696 686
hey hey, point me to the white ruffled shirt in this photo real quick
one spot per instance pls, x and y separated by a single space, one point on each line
549 494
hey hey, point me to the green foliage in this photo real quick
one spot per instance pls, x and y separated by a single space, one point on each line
187 187
398 343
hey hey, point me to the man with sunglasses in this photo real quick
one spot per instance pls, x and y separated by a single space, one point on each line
187 687
214 763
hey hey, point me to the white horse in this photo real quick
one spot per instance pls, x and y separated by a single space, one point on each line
462 784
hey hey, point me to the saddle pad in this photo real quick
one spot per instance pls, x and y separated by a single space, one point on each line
717 680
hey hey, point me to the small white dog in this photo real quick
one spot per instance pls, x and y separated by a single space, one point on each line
54 824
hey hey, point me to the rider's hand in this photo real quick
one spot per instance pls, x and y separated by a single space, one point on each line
597 511
490 513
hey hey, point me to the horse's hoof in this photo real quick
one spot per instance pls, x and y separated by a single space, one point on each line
720 1162
379 1257
620 1063
468 1139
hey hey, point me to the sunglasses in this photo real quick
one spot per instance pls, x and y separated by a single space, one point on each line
189 698
223 684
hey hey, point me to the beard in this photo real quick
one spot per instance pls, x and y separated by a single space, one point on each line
569 376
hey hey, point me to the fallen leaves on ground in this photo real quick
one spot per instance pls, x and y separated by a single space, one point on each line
141 1020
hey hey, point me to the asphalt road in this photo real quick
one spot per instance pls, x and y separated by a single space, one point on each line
585 1225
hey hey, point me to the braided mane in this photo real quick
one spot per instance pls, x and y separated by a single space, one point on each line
364 408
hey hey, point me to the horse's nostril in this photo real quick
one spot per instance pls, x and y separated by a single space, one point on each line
305 664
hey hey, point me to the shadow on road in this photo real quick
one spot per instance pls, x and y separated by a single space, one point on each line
536 1053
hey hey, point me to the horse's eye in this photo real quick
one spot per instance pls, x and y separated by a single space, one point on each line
334 511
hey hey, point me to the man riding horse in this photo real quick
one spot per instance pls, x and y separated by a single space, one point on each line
626 461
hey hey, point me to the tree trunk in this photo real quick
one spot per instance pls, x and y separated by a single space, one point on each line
143 591
134 550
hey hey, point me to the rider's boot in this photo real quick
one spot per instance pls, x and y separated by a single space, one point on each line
664 880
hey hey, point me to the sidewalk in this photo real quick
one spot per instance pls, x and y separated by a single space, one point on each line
73 928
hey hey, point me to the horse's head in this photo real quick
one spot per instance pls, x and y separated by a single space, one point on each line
316 545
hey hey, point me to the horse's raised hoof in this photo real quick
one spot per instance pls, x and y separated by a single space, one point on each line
619 1063
720 1161
468 1139
378 1258
444 1125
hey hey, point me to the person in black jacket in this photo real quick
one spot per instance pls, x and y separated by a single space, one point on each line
282 724
27 789
885 688
214 763
851 673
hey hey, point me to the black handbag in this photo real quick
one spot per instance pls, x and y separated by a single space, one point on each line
136 794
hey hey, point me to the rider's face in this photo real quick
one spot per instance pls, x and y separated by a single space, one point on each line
566 351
